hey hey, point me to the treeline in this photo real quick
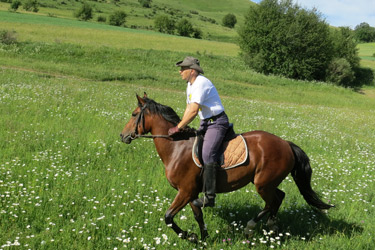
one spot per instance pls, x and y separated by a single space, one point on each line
281 38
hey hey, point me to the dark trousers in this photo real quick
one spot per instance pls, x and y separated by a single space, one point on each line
215 130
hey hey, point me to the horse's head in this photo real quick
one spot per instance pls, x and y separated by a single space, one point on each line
137 124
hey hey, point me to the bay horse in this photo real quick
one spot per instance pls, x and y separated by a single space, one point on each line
271 159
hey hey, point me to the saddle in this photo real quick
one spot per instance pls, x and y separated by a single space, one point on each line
233 153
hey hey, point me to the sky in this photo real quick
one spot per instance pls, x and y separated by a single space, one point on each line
342 12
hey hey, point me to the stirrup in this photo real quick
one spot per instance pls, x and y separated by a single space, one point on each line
204 202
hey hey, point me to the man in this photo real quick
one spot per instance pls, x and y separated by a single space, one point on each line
203 100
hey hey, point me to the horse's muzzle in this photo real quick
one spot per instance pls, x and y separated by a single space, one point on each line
127 139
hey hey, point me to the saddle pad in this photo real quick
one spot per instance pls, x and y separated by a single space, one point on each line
235 153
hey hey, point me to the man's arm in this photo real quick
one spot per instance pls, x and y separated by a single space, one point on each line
189 114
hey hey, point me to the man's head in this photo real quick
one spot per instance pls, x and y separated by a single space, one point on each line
190 63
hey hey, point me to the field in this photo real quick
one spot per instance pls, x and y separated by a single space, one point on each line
67 182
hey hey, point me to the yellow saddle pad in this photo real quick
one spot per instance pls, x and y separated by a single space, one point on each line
235 153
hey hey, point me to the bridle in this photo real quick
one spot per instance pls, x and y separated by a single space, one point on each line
141 120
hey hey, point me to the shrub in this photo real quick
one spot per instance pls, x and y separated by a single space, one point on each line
31 5
340 72
84 13
118 18
101 19
15 5
8 37
197 33
164 24
364 76
184 27
145 3
229 20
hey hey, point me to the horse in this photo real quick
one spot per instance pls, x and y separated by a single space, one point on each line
271 159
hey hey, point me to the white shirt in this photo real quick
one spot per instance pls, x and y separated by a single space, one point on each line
203 92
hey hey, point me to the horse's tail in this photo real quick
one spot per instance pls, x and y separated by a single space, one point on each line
301 174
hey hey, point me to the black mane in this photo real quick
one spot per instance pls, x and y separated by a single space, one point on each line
167 112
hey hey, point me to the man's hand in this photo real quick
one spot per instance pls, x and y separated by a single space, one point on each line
173 130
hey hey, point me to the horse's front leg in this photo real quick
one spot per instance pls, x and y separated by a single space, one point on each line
179 202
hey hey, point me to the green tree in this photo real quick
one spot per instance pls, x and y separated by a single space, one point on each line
184 27
164 24
364 33
280 38
229 20
118 18
15 5
84 12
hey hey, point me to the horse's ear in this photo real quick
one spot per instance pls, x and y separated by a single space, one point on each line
140 100
144 95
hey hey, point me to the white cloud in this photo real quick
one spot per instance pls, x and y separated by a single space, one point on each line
342 12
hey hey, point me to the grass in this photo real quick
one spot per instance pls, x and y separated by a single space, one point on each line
67 182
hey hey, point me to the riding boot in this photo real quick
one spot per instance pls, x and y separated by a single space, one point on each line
209 186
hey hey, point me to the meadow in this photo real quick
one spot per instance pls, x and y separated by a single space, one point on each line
67 182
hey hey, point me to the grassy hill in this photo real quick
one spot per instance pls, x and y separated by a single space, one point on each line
205 15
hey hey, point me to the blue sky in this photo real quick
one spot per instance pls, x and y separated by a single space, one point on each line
342 12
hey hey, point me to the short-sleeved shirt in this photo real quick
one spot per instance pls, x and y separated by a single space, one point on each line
203 92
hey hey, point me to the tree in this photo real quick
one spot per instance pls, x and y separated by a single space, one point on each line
84 13
364 33
229 20
31 5
118 18
164 24
15 5
184 27
283 39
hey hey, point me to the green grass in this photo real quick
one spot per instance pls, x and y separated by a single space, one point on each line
67 182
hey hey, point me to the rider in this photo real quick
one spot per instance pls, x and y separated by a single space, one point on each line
203 100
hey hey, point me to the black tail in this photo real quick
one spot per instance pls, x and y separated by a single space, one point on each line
301 174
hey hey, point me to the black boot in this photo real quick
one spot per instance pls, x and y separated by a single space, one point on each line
209 186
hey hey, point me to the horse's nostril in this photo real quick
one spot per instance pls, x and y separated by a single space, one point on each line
121 136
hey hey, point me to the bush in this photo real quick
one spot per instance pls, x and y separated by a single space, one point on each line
229 20
164 24
8 37
197 33
84 13
31 5
15 5
283 39
340 72
145 3
118 18
101 19
364 76
184 27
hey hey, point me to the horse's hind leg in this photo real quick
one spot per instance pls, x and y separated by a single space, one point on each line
198 215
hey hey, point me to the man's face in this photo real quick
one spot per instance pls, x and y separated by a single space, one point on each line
185 73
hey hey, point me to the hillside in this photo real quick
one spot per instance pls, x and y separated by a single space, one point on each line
203 14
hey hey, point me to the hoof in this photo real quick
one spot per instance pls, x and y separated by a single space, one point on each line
248 232
193 238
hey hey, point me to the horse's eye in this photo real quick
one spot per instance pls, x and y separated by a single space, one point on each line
134 114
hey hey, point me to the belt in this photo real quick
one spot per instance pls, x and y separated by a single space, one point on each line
215 117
